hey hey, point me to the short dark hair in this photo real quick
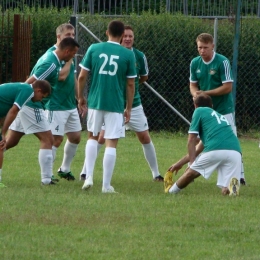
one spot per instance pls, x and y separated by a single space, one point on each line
68 42
44 85
116 28
203 100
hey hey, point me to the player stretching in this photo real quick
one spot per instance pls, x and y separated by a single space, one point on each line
13 96
211 73
113 73
31 118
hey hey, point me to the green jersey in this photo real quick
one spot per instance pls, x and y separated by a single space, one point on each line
14 93
47 68
141 70
63 93
214 130
211 75
110 65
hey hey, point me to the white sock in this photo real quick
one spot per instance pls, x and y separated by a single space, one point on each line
174 189
54 151
0 175
150 156
242 171
109 161
46 162
90 157
69 152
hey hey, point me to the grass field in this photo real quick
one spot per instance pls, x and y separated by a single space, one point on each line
140 222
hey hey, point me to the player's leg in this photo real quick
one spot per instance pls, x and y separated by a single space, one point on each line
69 124
113 125
1 164
45 156
188 177
15 132
139 124
94 124
35 122
101 141
229 172
204 165
231 119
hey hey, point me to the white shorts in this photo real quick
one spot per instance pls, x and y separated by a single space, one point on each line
226 162
138 121
231 119
30 120
113 123
62 122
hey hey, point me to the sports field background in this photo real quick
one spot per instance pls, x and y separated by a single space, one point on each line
140 222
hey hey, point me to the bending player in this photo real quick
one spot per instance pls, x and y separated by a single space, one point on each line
13 96
219 150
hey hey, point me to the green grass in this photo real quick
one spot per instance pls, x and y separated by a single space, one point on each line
141 222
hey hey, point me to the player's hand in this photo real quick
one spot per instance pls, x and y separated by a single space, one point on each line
175 168
3 143
127 115
82 106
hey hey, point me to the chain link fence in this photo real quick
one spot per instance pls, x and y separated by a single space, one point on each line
169 53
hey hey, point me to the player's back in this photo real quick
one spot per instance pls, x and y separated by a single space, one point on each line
110 65
214 130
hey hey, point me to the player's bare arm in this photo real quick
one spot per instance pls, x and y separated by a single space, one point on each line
82 79
142 79
222 90
64 72
130 91
194 89
30 80
185 159
11 115
192 141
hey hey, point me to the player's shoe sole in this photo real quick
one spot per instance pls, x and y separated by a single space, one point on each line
158 178
88 183
234 187
168 181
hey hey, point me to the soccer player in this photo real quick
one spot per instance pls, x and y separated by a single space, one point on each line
112 77
31 118
219 150
138 121
13 96
61 110
211 73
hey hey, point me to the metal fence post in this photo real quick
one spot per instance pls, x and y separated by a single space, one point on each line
235 49
215 34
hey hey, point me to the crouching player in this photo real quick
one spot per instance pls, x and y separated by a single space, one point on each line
219 150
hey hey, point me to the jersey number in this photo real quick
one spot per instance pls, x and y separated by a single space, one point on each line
219 118
112 62
57 128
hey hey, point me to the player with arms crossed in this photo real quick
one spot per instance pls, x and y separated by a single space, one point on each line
211 73
31 118
113 75
13 96
138 121
219 150
61 110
